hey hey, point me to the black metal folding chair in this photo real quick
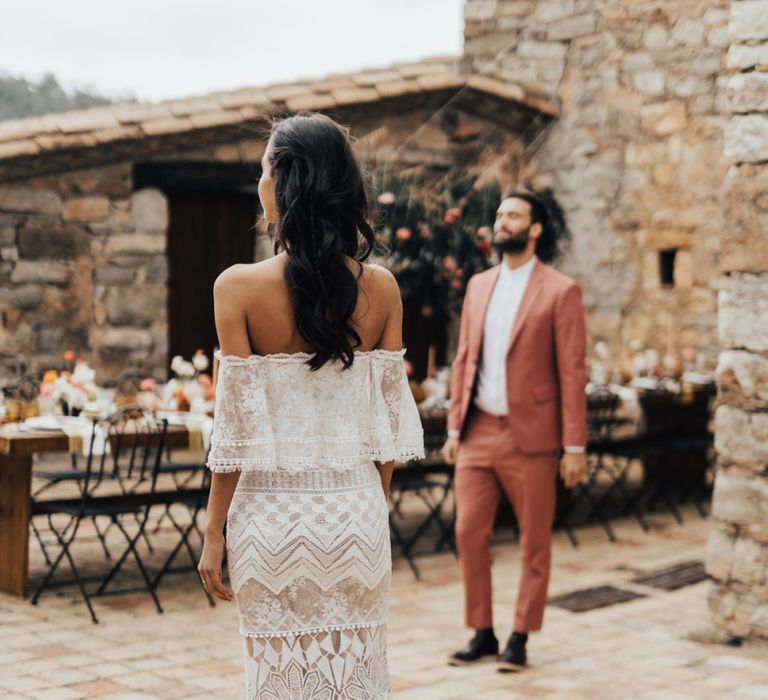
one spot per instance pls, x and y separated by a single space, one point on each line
617 458
195 499
601 423
120 482
679 472
569 501
429 481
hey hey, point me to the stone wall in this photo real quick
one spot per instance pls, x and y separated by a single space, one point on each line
636 157
738 548
83 268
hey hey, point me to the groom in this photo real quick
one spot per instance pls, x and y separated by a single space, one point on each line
517 403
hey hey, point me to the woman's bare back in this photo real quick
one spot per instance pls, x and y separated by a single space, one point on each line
267 308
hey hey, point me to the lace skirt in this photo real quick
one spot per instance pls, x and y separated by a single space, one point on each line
309 563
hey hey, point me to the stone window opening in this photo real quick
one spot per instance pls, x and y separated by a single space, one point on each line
667 267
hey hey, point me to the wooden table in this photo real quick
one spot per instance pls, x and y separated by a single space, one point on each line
16 451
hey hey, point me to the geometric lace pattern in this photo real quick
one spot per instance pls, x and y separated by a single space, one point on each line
338 665
315 556
309 563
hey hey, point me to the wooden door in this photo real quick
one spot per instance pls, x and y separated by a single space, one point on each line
207 234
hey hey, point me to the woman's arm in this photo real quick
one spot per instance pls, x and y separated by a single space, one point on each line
391 339
233 340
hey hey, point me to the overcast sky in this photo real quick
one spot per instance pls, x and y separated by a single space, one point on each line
156 49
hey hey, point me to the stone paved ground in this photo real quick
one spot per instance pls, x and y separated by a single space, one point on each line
647 649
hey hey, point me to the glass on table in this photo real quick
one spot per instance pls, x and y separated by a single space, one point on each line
29 409
12 409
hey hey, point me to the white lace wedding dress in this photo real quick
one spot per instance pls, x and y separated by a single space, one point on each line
307 531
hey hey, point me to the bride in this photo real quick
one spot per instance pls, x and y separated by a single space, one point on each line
312 409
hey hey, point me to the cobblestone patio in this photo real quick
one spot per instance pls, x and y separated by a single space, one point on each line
656 647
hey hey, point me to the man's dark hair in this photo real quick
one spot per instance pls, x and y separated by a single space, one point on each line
545 210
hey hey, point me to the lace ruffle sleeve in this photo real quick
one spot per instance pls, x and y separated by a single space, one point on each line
396 431
272 412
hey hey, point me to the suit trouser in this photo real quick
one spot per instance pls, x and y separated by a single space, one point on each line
487 462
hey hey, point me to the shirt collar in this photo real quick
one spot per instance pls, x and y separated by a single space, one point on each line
522 271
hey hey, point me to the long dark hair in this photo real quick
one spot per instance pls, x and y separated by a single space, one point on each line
545 210
322 216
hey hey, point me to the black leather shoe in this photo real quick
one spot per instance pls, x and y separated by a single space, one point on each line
514 659
484 643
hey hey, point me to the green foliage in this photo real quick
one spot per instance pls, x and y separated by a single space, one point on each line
21 98
438 237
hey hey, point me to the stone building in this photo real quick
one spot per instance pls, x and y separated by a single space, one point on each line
115 221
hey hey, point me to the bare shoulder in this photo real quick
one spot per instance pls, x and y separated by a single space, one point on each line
250 276
382 281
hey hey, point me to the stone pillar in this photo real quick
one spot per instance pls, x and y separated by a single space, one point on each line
738 548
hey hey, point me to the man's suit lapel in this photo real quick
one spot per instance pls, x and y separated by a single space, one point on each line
484 294
529 296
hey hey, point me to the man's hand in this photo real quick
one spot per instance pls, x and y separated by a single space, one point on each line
573 468
450 449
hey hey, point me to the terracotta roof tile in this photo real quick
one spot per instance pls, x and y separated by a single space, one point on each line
411 70
242 98
22 128
440 81
193 105
373 77
159 127
496 87
49 142
121 133
217 118
12 149
310 102
283 92
87 120
333 83
136 112
347 96
397 87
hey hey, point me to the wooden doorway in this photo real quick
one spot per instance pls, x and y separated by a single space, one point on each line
207 233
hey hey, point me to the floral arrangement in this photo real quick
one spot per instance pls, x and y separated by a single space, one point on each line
191 388
644 367
72 388
438 238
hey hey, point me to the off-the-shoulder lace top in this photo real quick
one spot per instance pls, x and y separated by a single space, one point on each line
272 412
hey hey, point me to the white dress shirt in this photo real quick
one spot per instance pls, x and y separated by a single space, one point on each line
503 307
502 311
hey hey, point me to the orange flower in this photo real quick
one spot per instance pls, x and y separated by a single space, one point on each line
50 376
452 216
69 356
403 234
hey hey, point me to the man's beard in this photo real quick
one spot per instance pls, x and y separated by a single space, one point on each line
513 243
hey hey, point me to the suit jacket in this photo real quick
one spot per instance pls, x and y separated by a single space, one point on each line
546 374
